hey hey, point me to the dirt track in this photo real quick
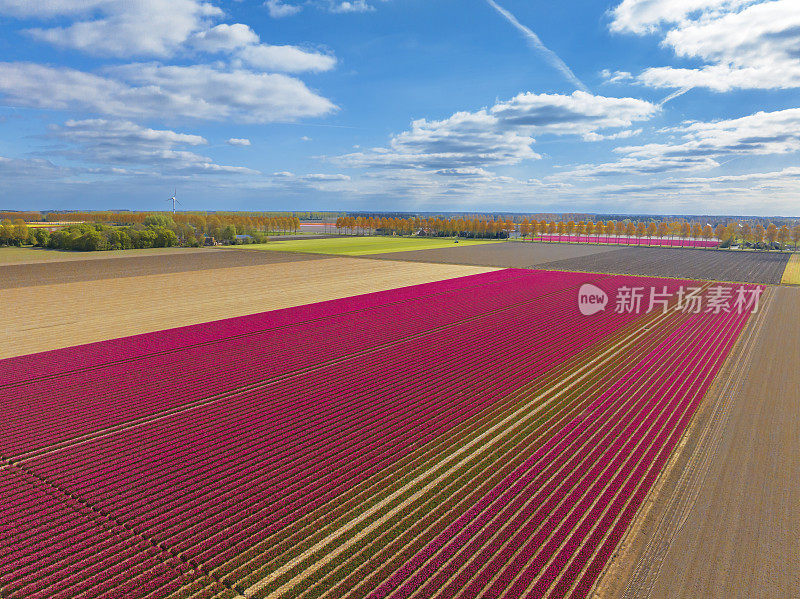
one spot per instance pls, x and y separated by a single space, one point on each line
120 265
724 519
509 255
681 263
39 318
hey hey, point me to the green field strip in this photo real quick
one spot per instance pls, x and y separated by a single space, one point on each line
791 276
362 246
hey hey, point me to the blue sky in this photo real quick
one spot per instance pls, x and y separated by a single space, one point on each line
481 105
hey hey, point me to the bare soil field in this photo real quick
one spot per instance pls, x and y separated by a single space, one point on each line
511 254
43 317
712 265
32 255
723 519
115 267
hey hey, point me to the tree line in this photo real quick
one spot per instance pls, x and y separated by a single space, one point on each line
486 228
145 230
757 236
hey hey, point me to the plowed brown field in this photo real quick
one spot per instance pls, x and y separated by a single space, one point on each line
713 265
511 254
29 255
120 264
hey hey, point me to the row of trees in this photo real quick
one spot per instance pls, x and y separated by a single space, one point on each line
432 227
622 230
146 230
207 223
87 236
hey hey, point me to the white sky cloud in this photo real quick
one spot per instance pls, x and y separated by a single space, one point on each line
162 29
703 146
278 9
225 38
655 165
761 133
351 6
645 16
290 59
141 28
151 90
238 141
744 44
30 169
503 134
126 144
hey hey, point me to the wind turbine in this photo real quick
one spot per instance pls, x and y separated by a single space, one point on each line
174 200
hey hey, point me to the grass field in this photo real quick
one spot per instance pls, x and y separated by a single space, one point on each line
361 246
791 276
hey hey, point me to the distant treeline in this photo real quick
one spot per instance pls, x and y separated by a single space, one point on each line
474 228
758 236
151 230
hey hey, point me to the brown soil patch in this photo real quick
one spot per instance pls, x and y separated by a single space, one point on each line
722 520
34 255
512 254
48 317
120 264
683 263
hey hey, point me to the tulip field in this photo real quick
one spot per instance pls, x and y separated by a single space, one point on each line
473 437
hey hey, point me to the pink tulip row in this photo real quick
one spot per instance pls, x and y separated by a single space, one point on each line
92 355
189 481
647 241
51 410
59 549
548 520
212 482
315 436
